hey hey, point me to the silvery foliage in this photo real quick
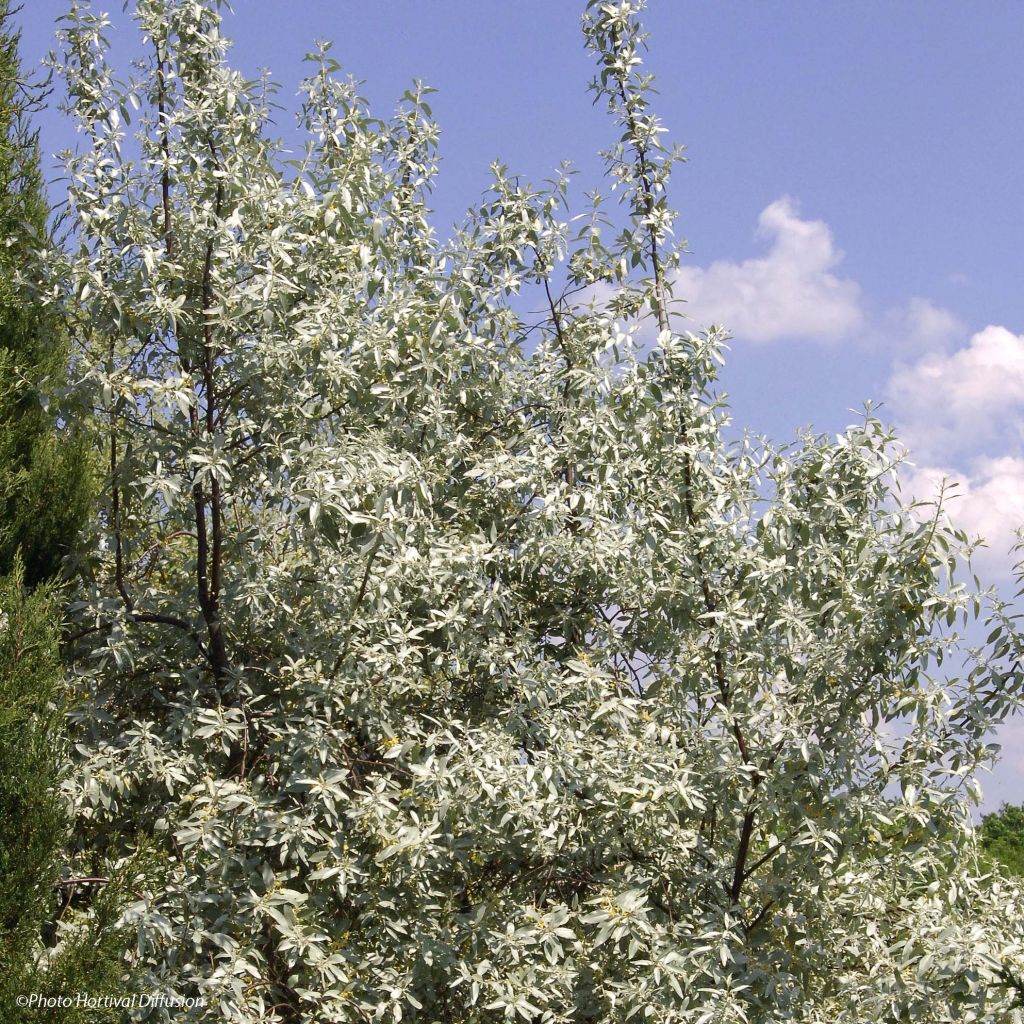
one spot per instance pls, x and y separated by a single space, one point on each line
459 666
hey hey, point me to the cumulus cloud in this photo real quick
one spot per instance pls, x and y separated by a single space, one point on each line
919 326
987 501
961 413
959 408
791 292
949 404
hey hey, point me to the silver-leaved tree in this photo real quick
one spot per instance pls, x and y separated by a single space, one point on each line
460 667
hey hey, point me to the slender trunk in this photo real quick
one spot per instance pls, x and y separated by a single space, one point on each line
710 601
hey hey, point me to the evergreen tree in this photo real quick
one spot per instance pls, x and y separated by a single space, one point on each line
461 668
44 950
45 488
44 477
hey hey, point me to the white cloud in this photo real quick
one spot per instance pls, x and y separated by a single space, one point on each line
961 413
988 502
959 410
789 293
919 326
952 404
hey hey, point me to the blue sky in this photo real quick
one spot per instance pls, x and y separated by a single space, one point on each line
852 201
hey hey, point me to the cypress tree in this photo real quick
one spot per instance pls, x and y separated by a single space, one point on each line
45 490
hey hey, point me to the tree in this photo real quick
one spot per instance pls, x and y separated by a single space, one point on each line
44 487
459 665
46 947
45 491
1002 837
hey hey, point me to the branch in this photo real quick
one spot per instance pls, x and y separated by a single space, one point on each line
356 603
210 561
742 851
710 602
115 510
760 917
556 319
165 177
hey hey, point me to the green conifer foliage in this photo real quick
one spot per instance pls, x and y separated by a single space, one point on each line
44 488
44 496
30 815
43 948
